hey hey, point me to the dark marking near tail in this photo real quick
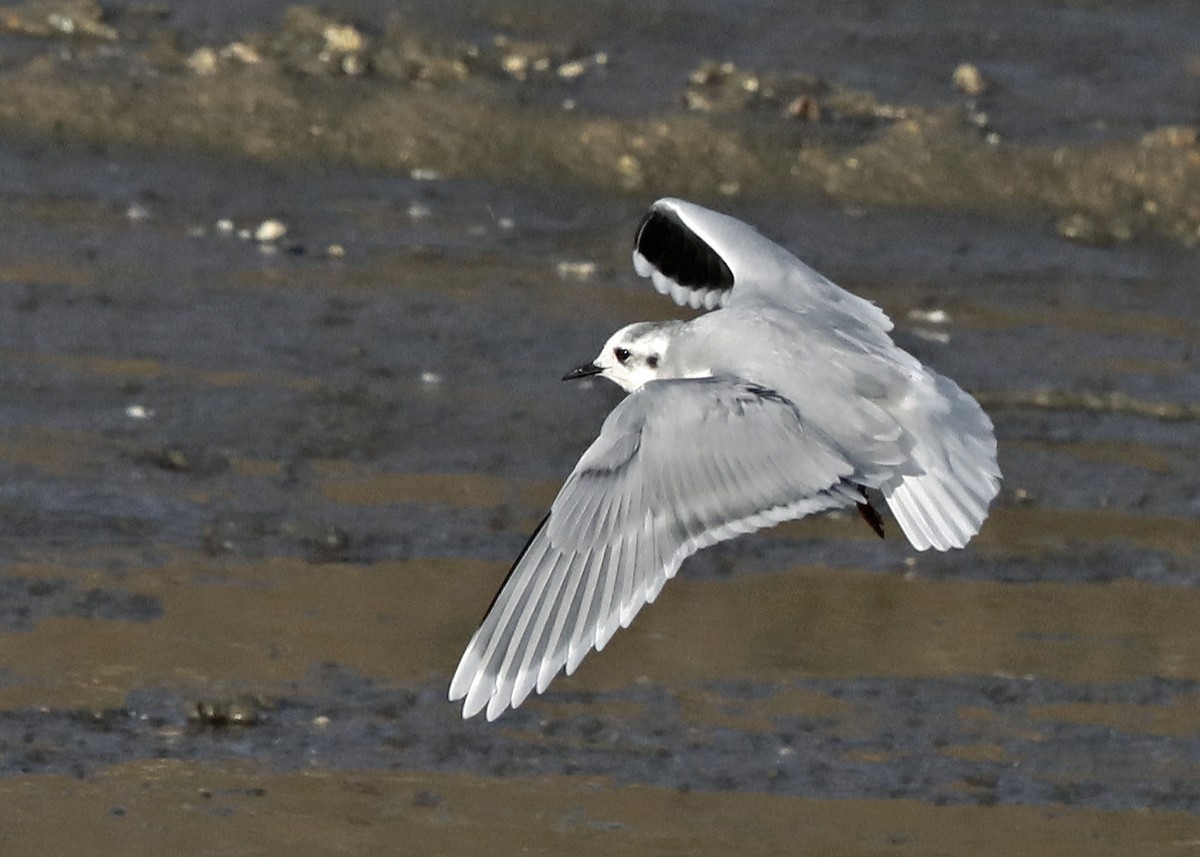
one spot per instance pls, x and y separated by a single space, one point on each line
516 562
678 253
869 514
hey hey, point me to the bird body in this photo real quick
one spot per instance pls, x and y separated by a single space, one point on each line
787 399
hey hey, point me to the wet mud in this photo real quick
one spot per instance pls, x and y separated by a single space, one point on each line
277 409
512 101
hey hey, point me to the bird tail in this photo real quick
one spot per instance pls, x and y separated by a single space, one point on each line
941 504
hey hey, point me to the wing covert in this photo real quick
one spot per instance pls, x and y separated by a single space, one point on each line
678 466
704 259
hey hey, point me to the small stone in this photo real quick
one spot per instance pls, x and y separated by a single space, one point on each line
929 316
1175 136
174 458
335 251
938 336
241 711
576 270
630 169
969 79
515 65
344 38
241 52
803 107
203 61
225 226
269 231
1082 229
573 69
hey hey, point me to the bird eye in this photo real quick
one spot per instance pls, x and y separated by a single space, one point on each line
622 354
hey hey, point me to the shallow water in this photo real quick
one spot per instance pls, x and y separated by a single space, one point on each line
254 498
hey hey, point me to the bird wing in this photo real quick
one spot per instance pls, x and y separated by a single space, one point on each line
679 465
704 259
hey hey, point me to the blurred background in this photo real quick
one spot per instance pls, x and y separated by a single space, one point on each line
285 295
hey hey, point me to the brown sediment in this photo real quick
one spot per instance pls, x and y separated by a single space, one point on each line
1178 718
340 484
148 368
976 752
266 622
1114 402
1095 319
1132 453
711 708
53 452
1026 529
319 90
148 807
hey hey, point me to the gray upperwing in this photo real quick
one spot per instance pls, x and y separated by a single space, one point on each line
679 465
704 259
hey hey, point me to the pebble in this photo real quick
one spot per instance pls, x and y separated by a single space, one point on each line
968 79
571 70
269 231
203 61
576 270
343 38
930 316
241 52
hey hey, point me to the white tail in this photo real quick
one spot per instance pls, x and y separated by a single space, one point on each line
943 504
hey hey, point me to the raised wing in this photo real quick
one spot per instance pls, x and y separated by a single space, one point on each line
679 465
704 259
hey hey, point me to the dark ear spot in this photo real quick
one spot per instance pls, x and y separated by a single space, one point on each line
652 361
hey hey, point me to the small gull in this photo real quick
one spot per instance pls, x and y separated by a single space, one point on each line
788 398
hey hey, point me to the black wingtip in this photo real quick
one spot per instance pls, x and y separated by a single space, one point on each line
513 567
680 254
869 513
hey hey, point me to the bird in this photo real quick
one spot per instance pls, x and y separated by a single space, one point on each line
786 398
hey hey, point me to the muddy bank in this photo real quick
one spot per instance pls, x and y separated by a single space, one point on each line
272 427
960 741
325 89
213 810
